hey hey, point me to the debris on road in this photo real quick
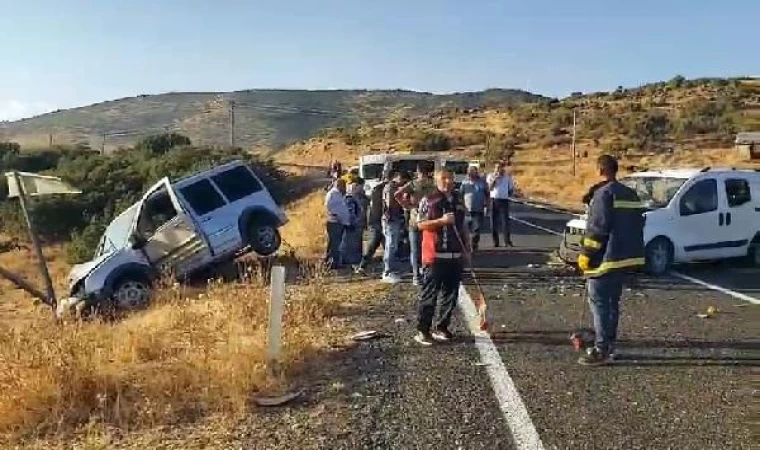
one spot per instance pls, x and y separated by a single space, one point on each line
279 400
367 335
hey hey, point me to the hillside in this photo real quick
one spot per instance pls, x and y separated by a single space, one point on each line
270 118
679 122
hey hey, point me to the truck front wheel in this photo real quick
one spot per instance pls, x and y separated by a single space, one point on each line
659 256
131 293
264 238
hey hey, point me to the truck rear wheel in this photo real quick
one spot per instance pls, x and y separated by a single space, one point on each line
264 238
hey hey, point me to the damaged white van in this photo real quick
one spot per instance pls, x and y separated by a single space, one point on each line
692 215
180 227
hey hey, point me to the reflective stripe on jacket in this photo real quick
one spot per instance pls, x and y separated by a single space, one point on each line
614 238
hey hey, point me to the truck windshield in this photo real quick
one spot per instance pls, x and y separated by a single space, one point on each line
458 167
654 192
372 171
116 235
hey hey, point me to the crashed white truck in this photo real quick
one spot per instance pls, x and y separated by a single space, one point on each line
180 227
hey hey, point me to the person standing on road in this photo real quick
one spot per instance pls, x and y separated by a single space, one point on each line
393 222
351 246
441 219
613 244
338 218
409 196
501 186
375 222
475 192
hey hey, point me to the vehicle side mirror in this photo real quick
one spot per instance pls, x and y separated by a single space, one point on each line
137 242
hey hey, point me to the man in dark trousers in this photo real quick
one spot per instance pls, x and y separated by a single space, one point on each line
501 186
441 220
612 246
375 222
475 193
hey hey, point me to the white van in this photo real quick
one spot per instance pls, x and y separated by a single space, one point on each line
371 167
693 215
181 227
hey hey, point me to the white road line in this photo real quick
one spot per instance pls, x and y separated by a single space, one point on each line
702 283
715 287
539 227
512 407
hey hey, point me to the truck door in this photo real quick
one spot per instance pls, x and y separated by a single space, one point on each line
701 224
740 217
170 238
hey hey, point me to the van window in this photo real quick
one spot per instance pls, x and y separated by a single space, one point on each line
236 183
702 197
202 196
372 171
737 192
410 165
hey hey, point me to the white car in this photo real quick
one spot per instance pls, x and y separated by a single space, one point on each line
693 215
181 227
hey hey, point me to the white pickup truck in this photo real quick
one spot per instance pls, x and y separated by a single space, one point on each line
180 227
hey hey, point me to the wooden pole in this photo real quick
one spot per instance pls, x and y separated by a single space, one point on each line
574 152
50 292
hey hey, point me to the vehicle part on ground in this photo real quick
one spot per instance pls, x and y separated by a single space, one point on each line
659 255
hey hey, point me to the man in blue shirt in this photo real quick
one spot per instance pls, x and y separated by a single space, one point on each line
475 192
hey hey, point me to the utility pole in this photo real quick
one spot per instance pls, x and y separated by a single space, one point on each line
232 123
103 145
50 140
574 152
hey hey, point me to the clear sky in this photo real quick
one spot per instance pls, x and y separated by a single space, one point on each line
65 53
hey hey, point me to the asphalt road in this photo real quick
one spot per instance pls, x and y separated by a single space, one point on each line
681 382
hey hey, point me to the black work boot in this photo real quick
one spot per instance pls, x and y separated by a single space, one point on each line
594 357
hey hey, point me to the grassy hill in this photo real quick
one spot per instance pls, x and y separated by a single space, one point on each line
678 122
271 118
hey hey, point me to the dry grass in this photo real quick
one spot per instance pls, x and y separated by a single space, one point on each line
195 354
304 233
547 175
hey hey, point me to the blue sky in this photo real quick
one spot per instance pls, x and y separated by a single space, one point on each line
65 53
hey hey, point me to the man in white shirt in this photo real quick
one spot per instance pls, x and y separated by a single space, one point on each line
501 186
338 218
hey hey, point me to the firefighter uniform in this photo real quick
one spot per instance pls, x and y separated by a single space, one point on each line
612 245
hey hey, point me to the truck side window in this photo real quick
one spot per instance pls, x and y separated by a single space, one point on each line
702 197
737 192
237 183
202 196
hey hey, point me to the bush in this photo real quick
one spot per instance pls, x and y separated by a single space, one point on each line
162 143
432 142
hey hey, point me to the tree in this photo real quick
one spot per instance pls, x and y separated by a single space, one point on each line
676 82
162 143
432 142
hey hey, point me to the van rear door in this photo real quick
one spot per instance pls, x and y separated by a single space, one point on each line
171 240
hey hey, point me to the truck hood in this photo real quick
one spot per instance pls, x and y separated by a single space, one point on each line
80 271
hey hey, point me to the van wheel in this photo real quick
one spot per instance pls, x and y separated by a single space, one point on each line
264 238
131 294
659 256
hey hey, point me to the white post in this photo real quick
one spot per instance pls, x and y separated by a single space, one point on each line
276 303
